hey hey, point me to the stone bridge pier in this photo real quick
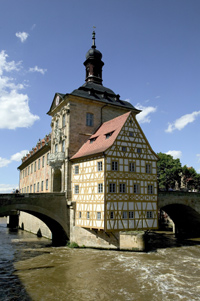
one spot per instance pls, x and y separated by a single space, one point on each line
184 210
51 208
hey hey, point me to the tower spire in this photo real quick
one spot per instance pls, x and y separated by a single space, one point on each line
93 63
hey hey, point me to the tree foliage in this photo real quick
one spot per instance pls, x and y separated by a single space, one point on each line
169 171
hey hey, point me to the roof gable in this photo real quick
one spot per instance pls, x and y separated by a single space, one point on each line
103 138
58 98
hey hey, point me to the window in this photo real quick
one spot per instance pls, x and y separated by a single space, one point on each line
63 120
89 119
35 167
98 215
88 215
124 215
56 148
148 168
150 189
149 214
132 167
31 187
38 163
99 166
109 134
100 188
38 186
25 172
112 187
42 185
124 148
76 169
93 139
111 214
27 189
48 159
76 189
79 215
24 189
122 188
43 161
131 214
34 188
47 184
139 150
136 188
131 134
63 146
31 168
114 165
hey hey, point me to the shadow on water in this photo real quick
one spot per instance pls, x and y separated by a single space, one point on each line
165 239
14 247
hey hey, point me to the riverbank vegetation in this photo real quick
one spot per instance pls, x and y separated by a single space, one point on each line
173 176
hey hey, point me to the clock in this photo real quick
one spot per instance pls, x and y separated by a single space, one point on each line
57 100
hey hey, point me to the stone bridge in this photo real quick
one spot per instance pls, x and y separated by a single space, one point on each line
183 208
51 208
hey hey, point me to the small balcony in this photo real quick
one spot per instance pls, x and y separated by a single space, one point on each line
56 160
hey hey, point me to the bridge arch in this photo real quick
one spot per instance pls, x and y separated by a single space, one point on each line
49 208
183 209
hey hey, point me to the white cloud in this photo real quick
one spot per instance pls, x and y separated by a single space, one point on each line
181 122
7 188
36 69
144 117
175 154
22 36
15 111
18 156
4 162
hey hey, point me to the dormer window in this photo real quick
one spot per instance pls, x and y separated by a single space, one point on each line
93 139
109 134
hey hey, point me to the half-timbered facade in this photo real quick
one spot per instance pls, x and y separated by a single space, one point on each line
114 178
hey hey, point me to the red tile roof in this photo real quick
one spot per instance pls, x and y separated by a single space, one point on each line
101 144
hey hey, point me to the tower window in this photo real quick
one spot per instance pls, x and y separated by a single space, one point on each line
114 165
89 119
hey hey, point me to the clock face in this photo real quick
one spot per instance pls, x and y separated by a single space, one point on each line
57 100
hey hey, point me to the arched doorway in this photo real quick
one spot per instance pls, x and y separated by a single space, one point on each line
57 180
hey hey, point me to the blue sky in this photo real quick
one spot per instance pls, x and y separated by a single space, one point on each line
151 51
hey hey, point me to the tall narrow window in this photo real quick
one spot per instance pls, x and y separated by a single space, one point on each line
42 185
100 187
148 168
35 166
114 165
43 161
63 146
99 166
88 215
89 119
63 120
150 189
76 189
112 187
31 187
31 168
132 167
131 214
136 188
47 184
34 188
48 159
98 215
38 163
111 214
38 185
124 215
56 148
76 169
122 188
149 214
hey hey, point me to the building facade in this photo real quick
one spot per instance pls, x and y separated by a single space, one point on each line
98 155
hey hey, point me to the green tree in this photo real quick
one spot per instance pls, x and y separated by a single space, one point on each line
169 171
191 179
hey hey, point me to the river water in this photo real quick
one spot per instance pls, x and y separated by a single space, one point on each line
31 269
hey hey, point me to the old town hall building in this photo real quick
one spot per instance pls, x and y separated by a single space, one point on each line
99 156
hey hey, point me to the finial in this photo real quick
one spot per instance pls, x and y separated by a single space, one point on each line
93 38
